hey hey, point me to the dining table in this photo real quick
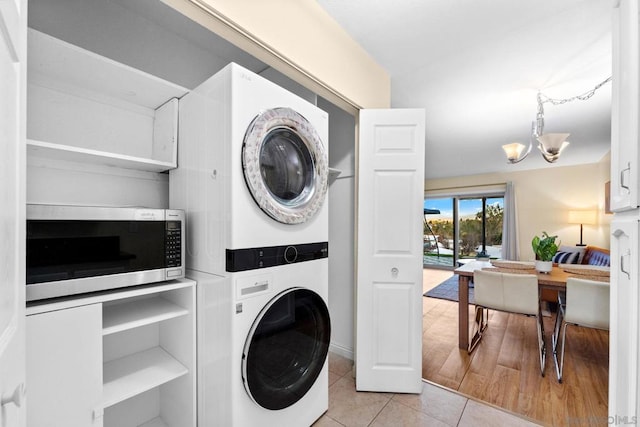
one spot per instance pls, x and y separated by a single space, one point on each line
556 279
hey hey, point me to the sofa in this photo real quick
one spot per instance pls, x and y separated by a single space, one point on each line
585 255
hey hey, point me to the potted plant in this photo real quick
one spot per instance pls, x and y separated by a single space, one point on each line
545 248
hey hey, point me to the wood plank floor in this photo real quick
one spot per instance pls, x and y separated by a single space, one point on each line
504 369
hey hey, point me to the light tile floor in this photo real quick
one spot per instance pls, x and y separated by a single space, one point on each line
435 406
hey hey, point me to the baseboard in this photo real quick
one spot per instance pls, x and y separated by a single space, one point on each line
341 350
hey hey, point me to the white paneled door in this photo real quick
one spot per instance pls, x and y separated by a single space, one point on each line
12 219
389 254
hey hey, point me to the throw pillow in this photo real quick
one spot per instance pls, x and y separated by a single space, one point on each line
578 249
566 257
600 260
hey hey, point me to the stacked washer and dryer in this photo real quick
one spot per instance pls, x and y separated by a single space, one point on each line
252 178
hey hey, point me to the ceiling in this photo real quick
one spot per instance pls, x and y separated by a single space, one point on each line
476 66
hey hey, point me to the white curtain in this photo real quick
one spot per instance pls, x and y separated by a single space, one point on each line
510 225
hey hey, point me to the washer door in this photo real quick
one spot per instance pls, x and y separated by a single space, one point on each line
285 165
286 348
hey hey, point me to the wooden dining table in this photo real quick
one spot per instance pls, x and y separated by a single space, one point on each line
556 280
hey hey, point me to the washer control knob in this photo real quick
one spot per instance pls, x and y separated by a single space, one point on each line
290 254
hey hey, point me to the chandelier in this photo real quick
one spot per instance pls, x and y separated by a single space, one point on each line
550 145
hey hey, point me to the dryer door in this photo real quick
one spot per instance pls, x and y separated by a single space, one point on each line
286 348
285 165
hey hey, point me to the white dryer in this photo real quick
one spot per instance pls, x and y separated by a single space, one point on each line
262 353
252 173
252 180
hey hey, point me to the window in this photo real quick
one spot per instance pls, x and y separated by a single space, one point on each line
438 232
457 228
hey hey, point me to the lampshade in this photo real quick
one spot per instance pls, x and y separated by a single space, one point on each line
582 217
513 151
552 144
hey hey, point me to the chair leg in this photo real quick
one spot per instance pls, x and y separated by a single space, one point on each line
560 366
556 338
558 323
556 329
542 347
479 325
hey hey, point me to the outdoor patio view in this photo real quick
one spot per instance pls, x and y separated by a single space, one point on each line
477 223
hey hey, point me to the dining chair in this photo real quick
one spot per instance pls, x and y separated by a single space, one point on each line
585 303
511 293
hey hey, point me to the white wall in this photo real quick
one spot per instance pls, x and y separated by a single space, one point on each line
341 226
301 40
68 183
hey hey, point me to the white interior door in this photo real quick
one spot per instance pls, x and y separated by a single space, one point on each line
12 219
389 238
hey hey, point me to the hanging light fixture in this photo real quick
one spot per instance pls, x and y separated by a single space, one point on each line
550 145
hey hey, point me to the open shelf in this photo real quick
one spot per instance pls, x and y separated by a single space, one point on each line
84 155
86 108
132 314
134 374
55 63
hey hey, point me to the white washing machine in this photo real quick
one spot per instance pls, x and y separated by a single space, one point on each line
262 354
252 173
252 179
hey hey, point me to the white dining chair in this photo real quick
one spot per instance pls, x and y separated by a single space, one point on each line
511 293
585 303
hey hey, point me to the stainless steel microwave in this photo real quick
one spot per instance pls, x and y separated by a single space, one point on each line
79 249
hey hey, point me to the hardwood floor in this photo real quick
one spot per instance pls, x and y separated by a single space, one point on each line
504 369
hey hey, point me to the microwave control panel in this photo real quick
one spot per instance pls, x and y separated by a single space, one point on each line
174 244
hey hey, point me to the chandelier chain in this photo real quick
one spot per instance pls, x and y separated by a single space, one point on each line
542 98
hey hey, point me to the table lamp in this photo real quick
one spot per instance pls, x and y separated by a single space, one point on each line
582 217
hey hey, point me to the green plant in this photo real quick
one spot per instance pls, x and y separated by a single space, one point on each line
544 247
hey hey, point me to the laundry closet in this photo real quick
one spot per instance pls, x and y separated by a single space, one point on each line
104 79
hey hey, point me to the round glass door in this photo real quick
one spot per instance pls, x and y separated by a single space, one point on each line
286 348
285 165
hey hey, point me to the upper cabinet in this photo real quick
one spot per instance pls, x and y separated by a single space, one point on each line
86 108
625 160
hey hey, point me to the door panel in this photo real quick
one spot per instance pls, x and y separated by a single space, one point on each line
64 362
394 345
389 264
12 199
394 209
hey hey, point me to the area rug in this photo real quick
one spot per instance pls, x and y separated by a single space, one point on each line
448 290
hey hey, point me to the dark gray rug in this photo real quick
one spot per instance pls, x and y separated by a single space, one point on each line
449 290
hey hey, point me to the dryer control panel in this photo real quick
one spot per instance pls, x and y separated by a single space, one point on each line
272 256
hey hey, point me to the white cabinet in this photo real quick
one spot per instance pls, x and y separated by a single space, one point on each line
64 367
133 349
624 358
86 108
625 157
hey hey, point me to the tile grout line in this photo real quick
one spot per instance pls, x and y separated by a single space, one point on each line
380 411
462 413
